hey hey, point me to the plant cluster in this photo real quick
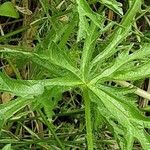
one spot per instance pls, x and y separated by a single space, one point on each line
78 51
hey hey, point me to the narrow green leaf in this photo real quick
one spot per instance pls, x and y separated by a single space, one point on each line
88 49
114 5
70 28
119 34
60 58
136 73
20 87
84 11
54 59
50 98
9 109
7 147
36 58
45 4
126 102
123 59
121 118
30 88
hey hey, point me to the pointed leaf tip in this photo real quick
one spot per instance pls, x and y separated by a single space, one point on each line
7 9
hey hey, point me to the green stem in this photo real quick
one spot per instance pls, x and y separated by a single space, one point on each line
51 129
3 38
88 119
16 71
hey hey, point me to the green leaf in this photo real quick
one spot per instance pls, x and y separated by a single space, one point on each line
108 104
45 4
70 29
136 73
88 49
54 59
114 5
9 109
37 59
127 124
118 35
123 60
60 58
7 9
20 87
31 88
7 147
49 99
84 11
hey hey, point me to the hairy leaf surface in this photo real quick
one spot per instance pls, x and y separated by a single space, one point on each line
126 125
114 5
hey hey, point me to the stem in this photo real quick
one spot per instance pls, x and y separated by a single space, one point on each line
51 129
2 38
16 71
138 91
88 119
